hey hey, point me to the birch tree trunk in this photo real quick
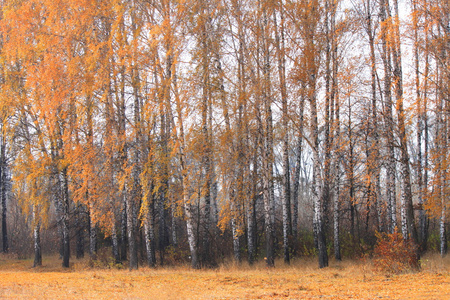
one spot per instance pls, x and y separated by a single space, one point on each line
421 95
205 44
123 157
297 170
337 170
123 228
234 231
408 224
134 198
329 45
317 188
388 120
92 235
286 181
446 122
149 232
373 166
37 238
442 230
441 141
423 219
184 180
251 207
268 145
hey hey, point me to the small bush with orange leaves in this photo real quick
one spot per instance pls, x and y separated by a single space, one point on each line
394 255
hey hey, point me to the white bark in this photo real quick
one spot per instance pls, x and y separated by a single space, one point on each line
190 227
442 231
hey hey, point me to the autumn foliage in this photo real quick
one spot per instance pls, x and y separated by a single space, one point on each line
393 254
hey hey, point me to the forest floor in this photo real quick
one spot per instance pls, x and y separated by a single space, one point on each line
300 280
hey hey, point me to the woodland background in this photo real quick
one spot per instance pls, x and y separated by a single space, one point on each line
170 131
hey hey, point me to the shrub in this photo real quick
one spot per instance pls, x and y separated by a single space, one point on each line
104 259
175 256
394 255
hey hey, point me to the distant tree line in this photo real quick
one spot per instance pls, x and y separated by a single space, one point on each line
224 128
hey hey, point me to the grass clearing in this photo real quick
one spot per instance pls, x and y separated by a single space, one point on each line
300 280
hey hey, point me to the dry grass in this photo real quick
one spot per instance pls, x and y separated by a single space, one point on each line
301 280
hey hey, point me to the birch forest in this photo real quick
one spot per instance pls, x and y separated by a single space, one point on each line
164 132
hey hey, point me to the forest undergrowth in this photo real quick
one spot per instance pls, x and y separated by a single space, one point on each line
348 279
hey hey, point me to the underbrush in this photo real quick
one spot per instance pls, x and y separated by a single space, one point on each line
391 256
394 255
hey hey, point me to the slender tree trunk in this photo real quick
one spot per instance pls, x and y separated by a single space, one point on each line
251 230
421 115
440 172
190 227
251 210
407 212
56 181
92 236
123 229
163 230
205 45
354 230
65 218
165 129
373 134
317 188
336 216
445 87
123 153
115 243
234 230
268 146
3 182
149 232
132 202
286 181
80 227
174 224
243 196
442 230
37 238
329 44
337 176
184 180
441 140
297 172
131 233
389 121
134 198
423 219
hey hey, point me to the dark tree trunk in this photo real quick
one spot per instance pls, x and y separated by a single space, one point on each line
3 182
65 218
123 230
251 213
149 230
80 228
37 239
163 230
132 233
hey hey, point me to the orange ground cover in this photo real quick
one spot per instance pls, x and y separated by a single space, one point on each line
301 280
